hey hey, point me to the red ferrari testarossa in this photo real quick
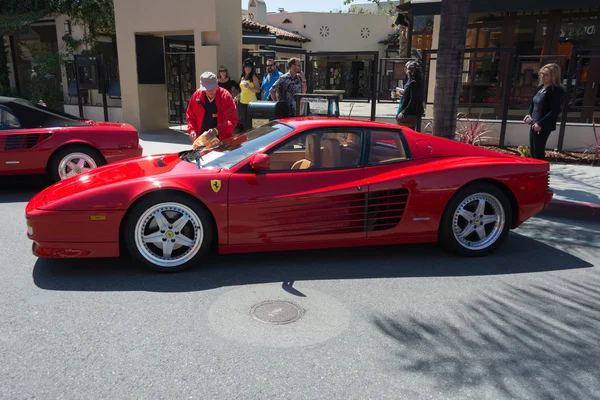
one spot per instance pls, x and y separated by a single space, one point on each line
292 184
37 140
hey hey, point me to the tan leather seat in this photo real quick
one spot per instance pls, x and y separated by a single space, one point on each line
331 154
310 153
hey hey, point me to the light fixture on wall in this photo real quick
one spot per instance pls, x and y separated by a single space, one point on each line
68 29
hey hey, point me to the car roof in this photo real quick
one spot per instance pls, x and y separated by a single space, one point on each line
313 122
33 116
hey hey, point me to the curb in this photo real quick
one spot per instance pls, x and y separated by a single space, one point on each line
573 210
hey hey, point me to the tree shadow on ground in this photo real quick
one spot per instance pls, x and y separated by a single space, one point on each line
536 342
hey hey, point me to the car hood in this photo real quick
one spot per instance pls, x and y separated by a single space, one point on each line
154 169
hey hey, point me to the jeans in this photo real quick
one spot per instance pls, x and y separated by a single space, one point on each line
537 143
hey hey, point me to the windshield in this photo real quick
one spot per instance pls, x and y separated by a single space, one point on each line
236 149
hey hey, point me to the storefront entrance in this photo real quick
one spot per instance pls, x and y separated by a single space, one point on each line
181 76
354 73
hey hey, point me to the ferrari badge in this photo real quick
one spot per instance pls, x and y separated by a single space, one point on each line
215 185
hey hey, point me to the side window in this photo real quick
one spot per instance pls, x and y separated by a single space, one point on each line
318 150
8 120
386 147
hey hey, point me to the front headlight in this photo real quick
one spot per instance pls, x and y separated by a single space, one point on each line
29 230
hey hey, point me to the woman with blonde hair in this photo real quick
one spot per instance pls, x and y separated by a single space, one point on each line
544 109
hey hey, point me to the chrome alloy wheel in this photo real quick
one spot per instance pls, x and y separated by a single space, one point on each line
169 234
478 221
74 164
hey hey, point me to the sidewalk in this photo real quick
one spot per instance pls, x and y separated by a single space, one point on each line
576 192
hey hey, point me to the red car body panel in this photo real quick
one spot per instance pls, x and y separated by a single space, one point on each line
115 141
287 211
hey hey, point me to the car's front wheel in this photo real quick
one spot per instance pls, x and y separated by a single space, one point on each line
168 233
476 220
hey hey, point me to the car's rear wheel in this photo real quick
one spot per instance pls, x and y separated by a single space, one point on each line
73 160
476 221
168 233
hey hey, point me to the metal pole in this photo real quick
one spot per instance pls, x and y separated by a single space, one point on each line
77 86
104 101
374 68
181 89
563 120
508 84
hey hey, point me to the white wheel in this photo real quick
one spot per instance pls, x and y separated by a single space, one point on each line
168 231
74 164
169 234
476 220
73 160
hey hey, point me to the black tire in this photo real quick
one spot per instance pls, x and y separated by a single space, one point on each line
65 152
145 251
496 231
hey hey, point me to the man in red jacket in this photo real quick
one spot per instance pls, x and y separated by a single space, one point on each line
211 109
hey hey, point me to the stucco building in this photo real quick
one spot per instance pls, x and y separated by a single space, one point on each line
149 31
340 51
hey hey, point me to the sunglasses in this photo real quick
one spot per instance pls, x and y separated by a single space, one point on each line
545 74
222 70
270 65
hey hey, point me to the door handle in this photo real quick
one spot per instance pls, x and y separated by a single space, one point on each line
359 187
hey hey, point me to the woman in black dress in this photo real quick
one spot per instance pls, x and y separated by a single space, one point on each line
410 109
544 109
227 83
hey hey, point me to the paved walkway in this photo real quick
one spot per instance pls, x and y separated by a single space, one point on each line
575 182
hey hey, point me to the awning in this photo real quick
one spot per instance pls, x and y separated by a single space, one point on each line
258 38
19 23
288 49
433 7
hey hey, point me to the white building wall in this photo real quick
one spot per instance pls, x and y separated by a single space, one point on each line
336 31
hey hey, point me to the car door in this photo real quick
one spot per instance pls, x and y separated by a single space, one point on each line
16 143
314 191
391 185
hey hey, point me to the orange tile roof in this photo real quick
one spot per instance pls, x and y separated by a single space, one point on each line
249 25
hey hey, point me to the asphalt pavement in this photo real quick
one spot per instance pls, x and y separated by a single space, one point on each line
392 322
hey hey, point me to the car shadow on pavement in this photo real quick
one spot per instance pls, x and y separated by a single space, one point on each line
535 341
424 260
16 189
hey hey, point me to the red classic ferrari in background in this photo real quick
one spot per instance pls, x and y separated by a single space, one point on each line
36 140
291 184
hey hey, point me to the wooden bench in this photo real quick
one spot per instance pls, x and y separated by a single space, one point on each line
338 92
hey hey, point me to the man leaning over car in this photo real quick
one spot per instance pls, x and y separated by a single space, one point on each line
211 109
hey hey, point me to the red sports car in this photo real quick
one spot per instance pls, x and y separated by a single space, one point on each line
292 184
36 140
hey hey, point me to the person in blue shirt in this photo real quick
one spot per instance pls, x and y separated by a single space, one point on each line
269 79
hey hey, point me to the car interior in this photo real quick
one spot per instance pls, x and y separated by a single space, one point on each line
336 150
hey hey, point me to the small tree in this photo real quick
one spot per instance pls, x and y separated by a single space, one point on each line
45 80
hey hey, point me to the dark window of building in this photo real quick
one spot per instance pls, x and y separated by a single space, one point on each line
422 34
150 60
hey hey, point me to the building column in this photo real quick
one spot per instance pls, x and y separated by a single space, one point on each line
205 54
130 98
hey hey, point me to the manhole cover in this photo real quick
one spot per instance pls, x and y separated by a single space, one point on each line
277 312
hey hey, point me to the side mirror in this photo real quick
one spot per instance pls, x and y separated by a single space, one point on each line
261 162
